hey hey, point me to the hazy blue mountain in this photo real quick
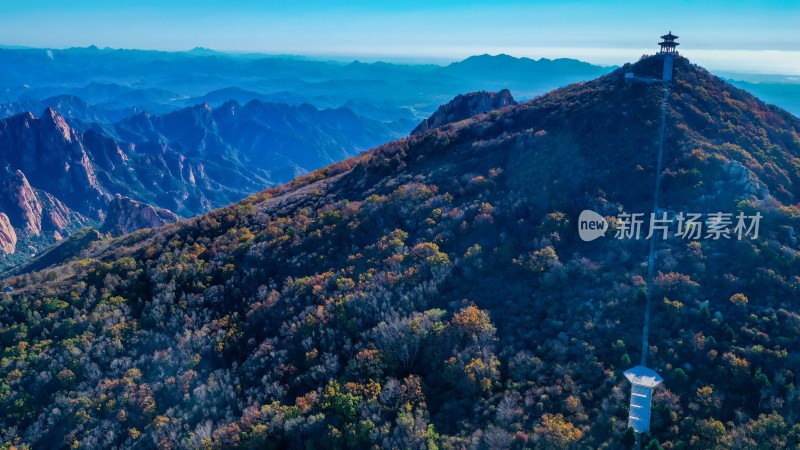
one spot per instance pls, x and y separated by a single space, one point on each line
70 106
504 71
220 96
161 81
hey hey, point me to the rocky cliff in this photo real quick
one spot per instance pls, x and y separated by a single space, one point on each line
8 238
126 215
21 203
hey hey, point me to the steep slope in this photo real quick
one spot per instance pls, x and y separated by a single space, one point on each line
434 291
8 237
783 91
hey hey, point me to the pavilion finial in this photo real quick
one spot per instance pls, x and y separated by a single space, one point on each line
668 44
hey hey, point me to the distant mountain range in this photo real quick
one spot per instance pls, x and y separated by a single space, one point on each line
157 82
57 177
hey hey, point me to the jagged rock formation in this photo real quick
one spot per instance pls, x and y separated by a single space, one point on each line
55 178
56 216
126 215
52 157
44 158
32 211
465 106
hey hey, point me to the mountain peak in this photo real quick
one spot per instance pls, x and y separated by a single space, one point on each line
465 106
228 109
26 116
51 118
203 51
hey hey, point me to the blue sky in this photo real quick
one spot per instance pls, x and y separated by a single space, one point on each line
732 35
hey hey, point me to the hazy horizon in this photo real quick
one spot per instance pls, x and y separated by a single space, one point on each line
732 36
697 56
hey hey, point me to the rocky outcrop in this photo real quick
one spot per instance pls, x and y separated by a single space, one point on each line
21 203
30 211
745 181
126 215
53 159
56 215
8 237
465 106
